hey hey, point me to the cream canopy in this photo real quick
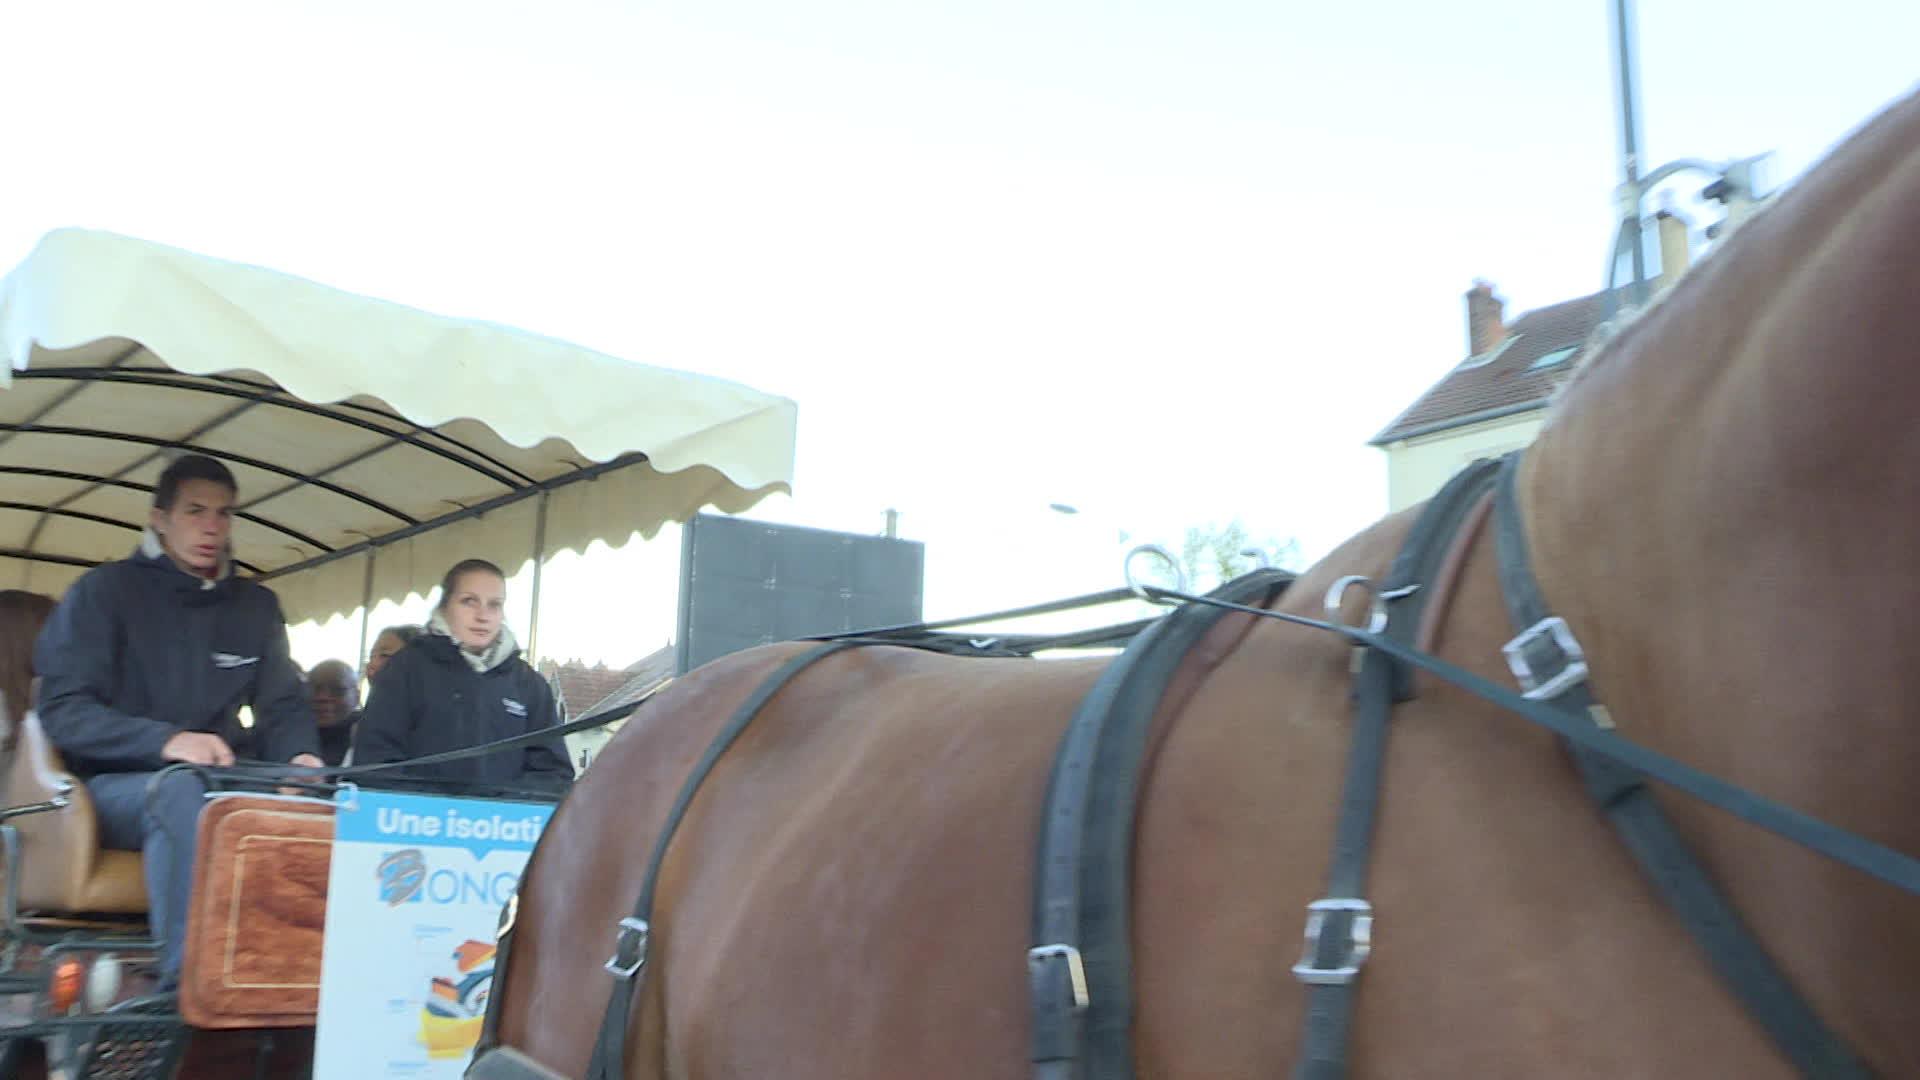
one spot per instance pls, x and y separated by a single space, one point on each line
374 444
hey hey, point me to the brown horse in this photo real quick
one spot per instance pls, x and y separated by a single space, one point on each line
1722 507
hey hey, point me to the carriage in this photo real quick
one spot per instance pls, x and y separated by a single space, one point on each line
374 444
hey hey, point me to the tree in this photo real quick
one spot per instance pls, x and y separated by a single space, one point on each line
1214 554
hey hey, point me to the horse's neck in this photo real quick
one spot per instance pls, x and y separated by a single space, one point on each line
1727 500
1724 509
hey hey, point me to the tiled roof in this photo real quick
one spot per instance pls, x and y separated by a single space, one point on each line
575 684
1505 380
643 676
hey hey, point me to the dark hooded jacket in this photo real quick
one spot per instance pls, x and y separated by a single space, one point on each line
335 741
140 650
429 699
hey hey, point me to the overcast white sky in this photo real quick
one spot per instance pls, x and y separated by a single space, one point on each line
1170 263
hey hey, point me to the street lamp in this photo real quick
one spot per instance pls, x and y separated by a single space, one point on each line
1733 184
1121 534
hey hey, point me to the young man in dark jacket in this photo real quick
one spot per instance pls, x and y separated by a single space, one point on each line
147 661
461 684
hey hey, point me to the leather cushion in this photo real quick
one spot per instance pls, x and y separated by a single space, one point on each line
259 912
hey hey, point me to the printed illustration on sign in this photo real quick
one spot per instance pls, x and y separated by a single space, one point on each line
450 1019
414 896
401 875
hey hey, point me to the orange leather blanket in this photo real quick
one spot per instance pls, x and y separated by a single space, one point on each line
259 911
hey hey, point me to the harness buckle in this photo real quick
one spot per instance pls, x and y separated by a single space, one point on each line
509 915
1546 644
1358 943
1039 955
629 949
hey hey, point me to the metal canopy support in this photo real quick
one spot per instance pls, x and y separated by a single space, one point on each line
366 611
539 563
100 482
67 396
266 394
463 514
160 444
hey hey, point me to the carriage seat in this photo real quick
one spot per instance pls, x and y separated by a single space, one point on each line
63 869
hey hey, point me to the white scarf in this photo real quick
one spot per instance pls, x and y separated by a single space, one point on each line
484 660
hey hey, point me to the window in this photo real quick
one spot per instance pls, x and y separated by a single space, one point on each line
1553 359
1488 357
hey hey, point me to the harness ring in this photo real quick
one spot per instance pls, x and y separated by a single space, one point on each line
1376 606
1139 590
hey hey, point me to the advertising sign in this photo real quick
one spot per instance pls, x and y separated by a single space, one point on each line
745 583
414 897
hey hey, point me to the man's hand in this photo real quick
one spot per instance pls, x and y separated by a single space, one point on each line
307 760
198 748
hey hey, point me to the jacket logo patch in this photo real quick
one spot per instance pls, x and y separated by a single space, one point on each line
514 707
227 661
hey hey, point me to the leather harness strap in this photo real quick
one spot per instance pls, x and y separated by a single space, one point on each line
503 935
1080 973
629 959
1080 964
1339 925
1627 801
494 1062
1551 669
1445 584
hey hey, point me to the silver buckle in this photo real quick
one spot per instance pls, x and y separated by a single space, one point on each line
1376 605
1358 944
509 915
629 949
1076 969
1572 673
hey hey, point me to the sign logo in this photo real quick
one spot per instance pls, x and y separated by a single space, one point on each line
401 876
514 707
227 661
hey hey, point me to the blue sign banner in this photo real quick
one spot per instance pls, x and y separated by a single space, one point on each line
415 892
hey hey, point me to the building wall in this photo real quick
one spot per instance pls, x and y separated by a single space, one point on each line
584 746
1417 468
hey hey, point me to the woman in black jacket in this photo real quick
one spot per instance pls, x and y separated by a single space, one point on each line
460 684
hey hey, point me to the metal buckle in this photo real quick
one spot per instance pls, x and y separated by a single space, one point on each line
1573 671
1076 969
508 916
1358 944
629 949
1141 590
1337 595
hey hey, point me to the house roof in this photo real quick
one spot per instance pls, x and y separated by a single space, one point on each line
1509 378
641 678
576 685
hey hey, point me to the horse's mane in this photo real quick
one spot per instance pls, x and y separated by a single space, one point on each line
1599 348
1602 342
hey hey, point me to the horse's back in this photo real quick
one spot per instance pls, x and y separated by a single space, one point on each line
849 895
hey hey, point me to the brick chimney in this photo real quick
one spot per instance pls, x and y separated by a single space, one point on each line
1676 246
1486 319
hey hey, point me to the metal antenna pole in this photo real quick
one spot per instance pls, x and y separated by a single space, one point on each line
1631 191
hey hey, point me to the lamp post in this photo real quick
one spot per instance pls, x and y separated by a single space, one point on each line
1630 228
1107 561
1733 183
